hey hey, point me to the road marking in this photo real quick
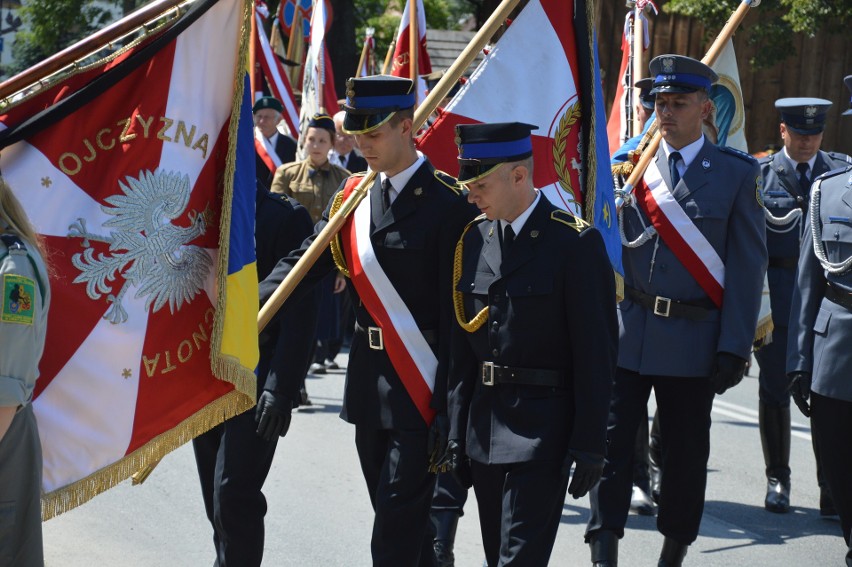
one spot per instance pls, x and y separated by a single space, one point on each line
748 415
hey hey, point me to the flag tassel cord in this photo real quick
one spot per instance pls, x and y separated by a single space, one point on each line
431 102
624 195
146 20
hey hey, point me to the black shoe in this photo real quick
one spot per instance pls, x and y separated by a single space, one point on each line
777 496
604 548
672 553
641 502
317 368
331 365
304 400
444 525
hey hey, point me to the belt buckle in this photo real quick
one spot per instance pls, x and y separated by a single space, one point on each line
375 338
662 306
488 373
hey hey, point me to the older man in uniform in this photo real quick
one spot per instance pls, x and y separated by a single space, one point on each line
694 260
272 148
819 360
534 349
343 153
787 177
397 248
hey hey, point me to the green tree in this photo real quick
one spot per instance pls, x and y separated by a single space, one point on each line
777 23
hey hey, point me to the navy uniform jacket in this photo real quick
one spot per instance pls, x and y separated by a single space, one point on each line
781 195
413 242
551 305
718 192
285 147
281 225
820 330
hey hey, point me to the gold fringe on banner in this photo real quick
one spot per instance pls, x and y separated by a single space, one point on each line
224 367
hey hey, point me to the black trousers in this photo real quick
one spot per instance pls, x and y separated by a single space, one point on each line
232 466
449 495
831 425
395 465
684 406
772 378
520 505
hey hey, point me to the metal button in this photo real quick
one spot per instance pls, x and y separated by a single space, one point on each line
472 286
495 325
496 352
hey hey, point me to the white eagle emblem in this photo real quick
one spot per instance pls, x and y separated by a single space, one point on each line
810 111
668 65
145 247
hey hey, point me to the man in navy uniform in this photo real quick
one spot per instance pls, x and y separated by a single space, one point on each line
272 148
787 177
534 348
233 458
694 259
819 360
397 247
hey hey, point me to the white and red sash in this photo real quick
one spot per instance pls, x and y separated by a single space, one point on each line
409 353
266 151
680 234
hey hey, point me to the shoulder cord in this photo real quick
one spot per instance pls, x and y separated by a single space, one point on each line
648 232
794 217
336 246
458 297
816 231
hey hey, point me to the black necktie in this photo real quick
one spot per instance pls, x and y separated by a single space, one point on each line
343 160
386 189
508 238
804 182
674 157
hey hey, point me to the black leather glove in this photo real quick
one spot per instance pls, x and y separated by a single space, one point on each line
456 462
588 468
436 446
728 371
800 389
272 414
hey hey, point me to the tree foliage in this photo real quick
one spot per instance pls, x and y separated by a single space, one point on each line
777 23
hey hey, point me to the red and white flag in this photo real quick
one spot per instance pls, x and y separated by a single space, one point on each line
318 93
368 55
401 66
139 175
275 76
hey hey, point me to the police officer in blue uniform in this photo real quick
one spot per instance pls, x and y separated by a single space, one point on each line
819 360
787 177
534 348
233 458
415 215
689 316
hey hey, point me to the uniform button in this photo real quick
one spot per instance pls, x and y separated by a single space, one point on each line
472 286
663 267
495 325
837 235
496 352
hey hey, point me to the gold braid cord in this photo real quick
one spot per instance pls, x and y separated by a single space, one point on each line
336 246
458 297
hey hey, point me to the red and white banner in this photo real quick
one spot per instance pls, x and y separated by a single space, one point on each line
318 93
401 66
276 77
680 234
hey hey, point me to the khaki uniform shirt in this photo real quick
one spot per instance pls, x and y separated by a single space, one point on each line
311 187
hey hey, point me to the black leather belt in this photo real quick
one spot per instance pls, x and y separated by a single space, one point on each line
495 374
778 262
838 296
697 310
376 338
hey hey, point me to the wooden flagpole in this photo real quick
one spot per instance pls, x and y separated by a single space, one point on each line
623 195
413 48
389 56
335 223
638 49
252 52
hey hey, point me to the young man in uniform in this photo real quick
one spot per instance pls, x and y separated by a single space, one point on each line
534 349
694 260
787 177
397 249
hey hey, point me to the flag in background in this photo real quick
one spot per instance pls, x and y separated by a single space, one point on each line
318 93
559 91
368 55
727 96
139 175
274 75
401 66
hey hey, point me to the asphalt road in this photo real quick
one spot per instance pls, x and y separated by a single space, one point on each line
319 512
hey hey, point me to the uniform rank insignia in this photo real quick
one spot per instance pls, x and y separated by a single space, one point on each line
758 190
18 300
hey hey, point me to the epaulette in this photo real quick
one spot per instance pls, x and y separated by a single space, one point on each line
839 156
566 218
448 181
833 173
13 242
766 159
734 152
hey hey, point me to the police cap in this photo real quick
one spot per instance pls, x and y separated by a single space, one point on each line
803 115
268 102
483 147
680 74
848 82
371 101
645 97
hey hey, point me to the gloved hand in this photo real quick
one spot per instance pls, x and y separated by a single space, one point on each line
456 462
800 389
728 371
588 468
436 446
272 414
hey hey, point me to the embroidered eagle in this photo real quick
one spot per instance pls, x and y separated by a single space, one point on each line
146 248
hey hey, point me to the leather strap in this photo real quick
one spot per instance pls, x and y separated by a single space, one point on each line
493 374
839 296
791 263
666 307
